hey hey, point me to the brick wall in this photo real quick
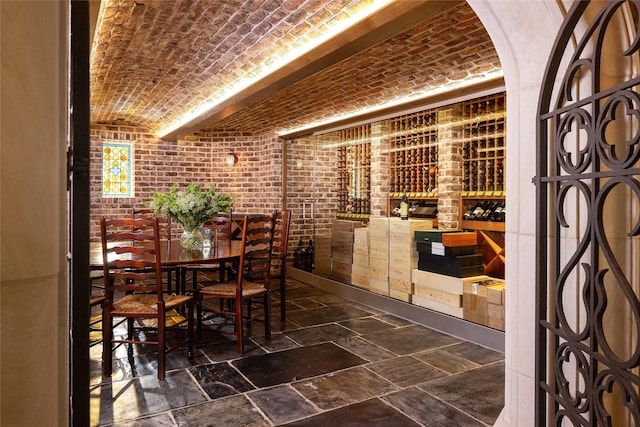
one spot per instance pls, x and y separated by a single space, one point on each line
255 181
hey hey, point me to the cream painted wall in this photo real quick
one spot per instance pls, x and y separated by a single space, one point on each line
33 115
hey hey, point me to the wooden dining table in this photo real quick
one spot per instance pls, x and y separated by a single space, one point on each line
173 254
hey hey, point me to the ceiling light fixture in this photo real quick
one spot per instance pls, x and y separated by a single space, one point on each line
283 58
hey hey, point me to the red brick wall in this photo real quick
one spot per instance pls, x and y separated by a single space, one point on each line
255 181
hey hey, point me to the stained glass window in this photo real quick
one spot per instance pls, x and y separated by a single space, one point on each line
117 165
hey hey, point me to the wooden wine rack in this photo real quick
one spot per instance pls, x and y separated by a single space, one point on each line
354 171
483 146
414 154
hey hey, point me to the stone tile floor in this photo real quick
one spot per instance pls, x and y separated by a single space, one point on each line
334 362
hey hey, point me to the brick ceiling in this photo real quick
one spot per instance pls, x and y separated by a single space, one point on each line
153 61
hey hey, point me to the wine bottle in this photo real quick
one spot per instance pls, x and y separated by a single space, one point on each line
468 215
404 207
297 255
495 216
488 211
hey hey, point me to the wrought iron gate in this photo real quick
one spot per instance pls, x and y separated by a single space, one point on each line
588 201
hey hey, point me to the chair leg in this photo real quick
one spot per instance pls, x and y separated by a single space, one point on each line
190 331
107 350
283 314
267 315
198 302
161 344
239 335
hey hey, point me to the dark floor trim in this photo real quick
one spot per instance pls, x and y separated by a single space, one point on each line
481 335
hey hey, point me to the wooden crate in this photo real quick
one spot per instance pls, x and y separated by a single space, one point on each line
322 255
437 306
399 295
443 297
379 286
341 271
360 276
400 284
379 227
409 227
460 239
454 285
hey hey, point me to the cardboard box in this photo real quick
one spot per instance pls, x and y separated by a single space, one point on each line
474 303
495 311
460 239
454 285
495 293
496 323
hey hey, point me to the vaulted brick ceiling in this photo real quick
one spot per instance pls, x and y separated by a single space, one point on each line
154 61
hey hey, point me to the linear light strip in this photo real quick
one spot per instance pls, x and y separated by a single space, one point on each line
286 58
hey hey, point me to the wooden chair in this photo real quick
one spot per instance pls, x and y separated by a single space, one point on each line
220 224
279 255
133 286
252 279
165 234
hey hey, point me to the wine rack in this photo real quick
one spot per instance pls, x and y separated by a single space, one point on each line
483 146
354 171
414 155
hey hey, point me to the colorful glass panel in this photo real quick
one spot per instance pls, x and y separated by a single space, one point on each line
117 179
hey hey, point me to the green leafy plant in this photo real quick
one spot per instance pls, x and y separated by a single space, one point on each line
191 207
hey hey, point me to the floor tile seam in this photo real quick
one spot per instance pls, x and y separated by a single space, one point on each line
295 390
378 345
257 408
255 387
393 356
447 374
389 404
448 403
199 387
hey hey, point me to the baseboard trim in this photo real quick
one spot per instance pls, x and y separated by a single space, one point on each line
460 328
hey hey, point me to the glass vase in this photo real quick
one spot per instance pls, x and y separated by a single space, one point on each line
191 239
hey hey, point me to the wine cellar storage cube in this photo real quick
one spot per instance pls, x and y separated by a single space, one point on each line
450 159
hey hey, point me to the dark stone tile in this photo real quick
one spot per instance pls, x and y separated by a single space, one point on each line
363 348
277 342
479 392
371 413
318 334
446 361
227 349
282 404
220 380
406 371
366 325
328 314
421 406
410 339
343 388
300 292
308 303
154 421
475 353
230 411
290 365
394 320
127 400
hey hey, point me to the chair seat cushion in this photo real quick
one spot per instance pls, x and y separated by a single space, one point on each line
228 289
146 304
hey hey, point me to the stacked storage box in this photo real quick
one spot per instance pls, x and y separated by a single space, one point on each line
379 255
342 249
495 305
403 256
360 266
442 293
322 255
449 252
